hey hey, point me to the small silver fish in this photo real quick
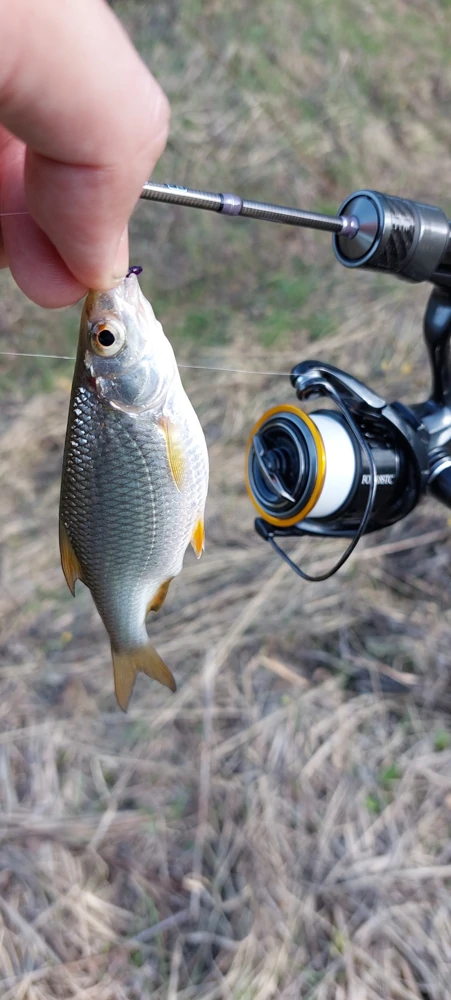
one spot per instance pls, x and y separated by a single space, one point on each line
135 475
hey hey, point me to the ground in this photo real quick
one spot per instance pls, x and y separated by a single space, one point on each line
280 827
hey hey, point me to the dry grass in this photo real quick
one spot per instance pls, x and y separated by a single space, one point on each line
266 831
280 827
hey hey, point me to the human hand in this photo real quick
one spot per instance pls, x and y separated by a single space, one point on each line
82 124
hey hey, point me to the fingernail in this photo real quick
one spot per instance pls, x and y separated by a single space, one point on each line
121 262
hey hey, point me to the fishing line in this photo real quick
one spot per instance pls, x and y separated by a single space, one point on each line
205 368
20 354
238 371
64 357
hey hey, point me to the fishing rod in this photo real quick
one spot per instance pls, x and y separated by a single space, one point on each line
366 464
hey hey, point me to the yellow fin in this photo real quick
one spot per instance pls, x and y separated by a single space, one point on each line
156 602
127 664
198 538
71 566
176 454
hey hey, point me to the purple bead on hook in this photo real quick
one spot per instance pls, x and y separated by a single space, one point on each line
135 269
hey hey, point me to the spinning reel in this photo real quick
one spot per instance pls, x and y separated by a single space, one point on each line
365 465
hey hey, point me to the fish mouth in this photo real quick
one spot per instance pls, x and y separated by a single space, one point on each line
108 300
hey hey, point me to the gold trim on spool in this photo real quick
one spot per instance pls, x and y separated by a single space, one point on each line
281 522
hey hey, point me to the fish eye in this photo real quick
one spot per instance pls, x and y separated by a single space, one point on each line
107 339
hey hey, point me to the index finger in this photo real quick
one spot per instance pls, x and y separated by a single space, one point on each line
94 120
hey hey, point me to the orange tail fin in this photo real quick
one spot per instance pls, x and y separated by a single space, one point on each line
127 664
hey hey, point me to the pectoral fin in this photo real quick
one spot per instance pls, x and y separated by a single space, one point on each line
127 664
175 449
198 538
156 602
71 566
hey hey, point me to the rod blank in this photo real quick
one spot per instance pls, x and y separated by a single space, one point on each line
232 204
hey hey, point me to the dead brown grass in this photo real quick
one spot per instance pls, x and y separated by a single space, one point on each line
280 828
266 831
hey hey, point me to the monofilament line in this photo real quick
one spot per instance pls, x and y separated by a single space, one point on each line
20 354
205 368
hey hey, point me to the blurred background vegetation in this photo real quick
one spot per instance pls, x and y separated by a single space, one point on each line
280 828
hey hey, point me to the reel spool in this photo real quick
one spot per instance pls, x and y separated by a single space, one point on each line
286 465
336 474
302 467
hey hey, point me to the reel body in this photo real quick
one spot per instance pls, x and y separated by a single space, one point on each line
358 468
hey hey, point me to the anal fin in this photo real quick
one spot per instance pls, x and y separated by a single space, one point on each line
198 538
69 561
129 662
156 602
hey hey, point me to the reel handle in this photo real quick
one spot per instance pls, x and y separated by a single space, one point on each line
437 334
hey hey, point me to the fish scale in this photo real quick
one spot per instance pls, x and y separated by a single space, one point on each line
134 478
